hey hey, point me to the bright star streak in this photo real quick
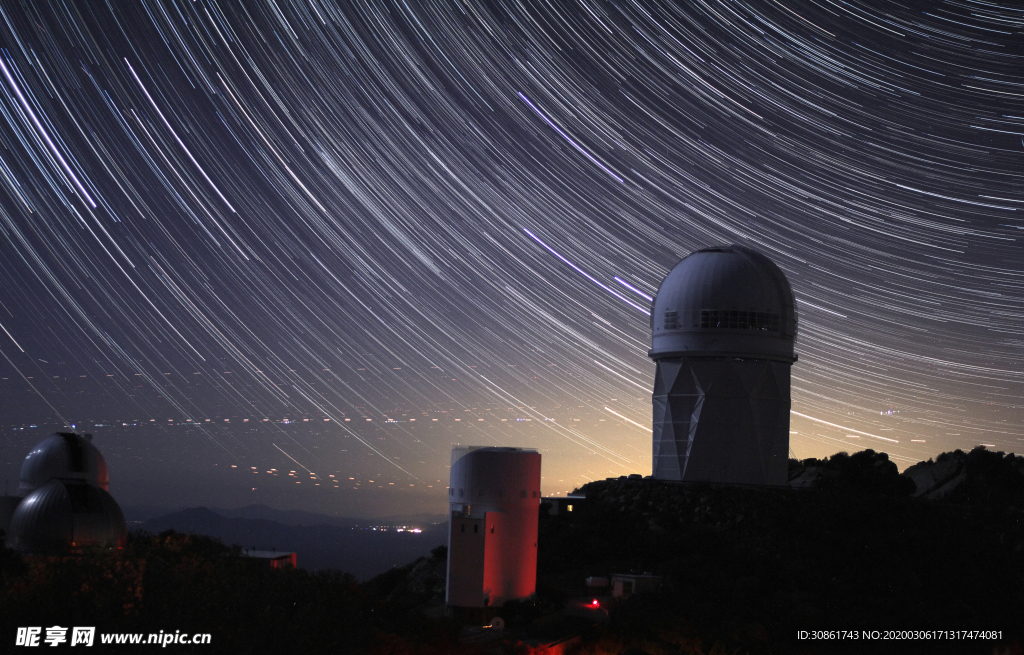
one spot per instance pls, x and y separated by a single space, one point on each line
629 420
587 275
633 289
39 126
841 427
571 142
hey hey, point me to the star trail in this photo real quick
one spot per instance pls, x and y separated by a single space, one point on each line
347 236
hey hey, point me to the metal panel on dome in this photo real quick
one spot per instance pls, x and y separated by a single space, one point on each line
62 515
42 523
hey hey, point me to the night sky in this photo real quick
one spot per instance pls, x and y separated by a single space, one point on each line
242 240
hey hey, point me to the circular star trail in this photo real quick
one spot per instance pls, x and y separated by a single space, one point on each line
430 210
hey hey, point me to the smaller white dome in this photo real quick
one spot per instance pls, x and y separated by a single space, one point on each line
64 456
62 515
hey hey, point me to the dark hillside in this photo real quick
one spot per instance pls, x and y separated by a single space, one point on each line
852 549
852 546
174 582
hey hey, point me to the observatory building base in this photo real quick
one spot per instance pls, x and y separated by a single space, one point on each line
722 420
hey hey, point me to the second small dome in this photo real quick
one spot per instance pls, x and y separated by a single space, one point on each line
64 456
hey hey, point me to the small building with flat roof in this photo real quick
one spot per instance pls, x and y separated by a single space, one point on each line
276 559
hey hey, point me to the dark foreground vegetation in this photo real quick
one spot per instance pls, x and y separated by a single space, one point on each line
856 547
189 583
745 569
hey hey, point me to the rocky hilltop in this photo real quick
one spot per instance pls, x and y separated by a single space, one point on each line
980 476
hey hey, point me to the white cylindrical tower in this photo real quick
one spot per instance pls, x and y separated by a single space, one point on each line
723 327
494 497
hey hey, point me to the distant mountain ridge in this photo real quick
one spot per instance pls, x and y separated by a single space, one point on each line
289 517
348 544
140 513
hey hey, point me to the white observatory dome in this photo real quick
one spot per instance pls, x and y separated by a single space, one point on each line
64 456
66 514
726 301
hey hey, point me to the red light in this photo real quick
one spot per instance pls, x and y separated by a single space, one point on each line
594 603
